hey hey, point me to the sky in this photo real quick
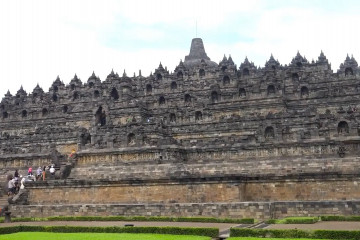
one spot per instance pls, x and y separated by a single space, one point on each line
41 39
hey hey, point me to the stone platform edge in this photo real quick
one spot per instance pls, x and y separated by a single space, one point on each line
257 210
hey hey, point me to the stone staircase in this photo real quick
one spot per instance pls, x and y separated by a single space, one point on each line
3 201
226 233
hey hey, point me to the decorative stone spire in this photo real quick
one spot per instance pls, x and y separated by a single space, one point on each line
8 94
55 85
272 57
180 67
350 61
230 60
322 58
124 74
93 80
246 61
160 68
197 50
322 54
93 76
349 67
75 79
111 75
57 80
272 63
224 61
197 53
75 82
38 89
299 60
353 60
21 92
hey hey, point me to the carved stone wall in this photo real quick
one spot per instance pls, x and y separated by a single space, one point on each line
184 136
266 109
258 210
303 187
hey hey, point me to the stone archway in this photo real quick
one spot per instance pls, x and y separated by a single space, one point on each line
271 90
180 74
24 113
343 128
242 93
295 77
226 80
269 133
44 112
198 116
131 139
304 92
96 94
162 100
173 86
100 117
214 97
349 71
114 94
148 89
246 72
187 98
172 117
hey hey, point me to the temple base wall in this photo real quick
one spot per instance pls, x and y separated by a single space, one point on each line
258 210
240 188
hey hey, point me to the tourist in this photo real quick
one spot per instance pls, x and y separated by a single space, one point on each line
16 179
72 154
16 174
38 174
22 182
11 186
44 173
30 171
52 171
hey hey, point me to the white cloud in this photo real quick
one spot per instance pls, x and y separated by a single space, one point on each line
284 31
210 14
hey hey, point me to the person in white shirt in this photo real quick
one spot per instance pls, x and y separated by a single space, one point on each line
38 174
22 182
11 187
52 170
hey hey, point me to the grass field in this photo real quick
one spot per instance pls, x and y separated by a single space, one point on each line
254 238
96 236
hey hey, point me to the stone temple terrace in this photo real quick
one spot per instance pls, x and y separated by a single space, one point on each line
208 139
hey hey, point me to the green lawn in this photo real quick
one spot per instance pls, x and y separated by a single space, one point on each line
254 238
96 236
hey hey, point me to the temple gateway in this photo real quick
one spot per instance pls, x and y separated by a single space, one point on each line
208 139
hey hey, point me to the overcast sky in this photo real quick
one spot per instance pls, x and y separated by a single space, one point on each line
43 39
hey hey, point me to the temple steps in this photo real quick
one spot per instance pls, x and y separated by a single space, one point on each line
3 200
